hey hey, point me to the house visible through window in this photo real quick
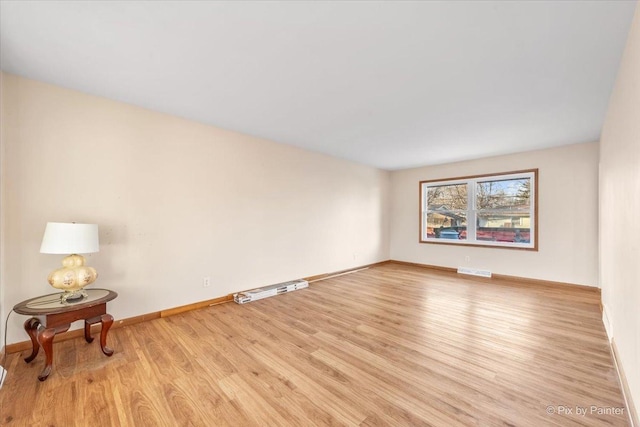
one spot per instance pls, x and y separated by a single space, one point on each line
488 210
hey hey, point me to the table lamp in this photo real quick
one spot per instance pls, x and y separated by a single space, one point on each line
73 239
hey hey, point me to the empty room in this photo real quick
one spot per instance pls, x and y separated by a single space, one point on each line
319 213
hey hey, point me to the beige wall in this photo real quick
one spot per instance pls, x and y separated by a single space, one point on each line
620 212
568 217
175 201
3 120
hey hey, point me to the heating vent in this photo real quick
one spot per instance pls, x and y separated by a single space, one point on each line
269 291
474 272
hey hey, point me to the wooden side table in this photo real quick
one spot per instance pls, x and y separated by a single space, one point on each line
51 316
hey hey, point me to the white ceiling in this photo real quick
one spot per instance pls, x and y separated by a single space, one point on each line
389 84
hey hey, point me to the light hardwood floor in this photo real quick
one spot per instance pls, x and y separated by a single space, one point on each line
392 345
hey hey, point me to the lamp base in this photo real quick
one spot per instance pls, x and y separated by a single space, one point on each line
72 277
73 296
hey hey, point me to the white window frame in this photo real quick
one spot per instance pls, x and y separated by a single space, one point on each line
472 212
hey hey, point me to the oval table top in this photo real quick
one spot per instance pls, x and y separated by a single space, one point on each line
52 303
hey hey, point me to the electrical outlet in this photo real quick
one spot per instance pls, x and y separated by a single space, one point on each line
467 258
206 282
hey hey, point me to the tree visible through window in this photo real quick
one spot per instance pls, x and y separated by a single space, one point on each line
490 210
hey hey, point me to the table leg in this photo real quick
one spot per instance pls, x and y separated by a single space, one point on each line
87 331
107 321
31 326
45 338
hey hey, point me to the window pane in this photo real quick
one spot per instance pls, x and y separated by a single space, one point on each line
488 210
447 225
447 197
503 194
504 226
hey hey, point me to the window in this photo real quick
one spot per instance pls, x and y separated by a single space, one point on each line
498 210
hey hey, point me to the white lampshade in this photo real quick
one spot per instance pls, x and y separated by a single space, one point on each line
70 238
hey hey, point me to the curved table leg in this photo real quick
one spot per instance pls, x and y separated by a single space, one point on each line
107 321
87 332
31 326
45 338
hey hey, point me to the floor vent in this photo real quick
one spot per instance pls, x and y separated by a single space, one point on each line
474 272
269 291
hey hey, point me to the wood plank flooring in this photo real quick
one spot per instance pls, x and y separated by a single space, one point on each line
392 345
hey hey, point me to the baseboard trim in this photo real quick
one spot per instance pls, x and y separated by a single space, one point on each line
26 345
136 319
606 321
196 306
427 266
325 276
503 277
550 283
624 385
